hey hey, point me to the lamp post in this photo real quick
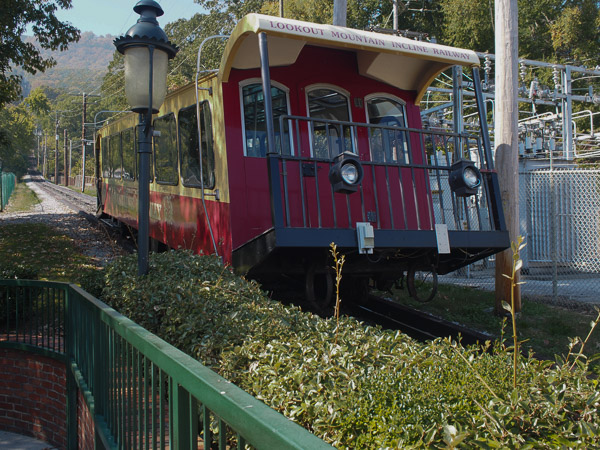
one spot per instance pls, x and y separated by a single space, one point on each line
147 51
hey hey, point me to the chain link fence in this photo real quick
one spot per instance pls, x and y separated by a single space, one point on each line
559 213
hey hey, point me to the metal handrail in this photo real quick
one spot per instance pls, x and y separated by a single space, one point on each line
140 391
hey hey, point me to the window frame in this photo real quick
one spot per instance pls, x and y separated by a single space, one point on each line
113 170
392 98
131 130
195 107
345 93
276 84
154 162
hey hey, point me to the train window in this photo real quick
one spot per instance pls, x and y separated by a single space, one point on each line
188 141
128 146
115 155
105 163
255 127
329 138
387 145
165 150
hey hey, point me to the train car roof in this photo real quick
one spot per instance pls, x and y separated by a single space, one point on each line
401 62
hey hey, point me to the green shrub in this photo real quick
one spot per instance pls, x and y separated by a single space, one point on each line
9 313
91 280
372 388
11 271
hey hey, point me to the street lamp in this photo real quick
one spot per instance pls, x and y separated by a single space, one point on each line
147 51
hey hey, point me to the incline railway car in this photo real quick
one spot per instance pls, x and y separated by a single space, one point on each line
335 152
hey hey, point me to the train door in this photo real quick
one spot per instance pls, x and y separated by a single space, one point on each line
330 134
254 136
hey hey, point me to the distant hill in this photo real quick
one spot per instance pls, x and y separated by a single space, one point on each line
80 68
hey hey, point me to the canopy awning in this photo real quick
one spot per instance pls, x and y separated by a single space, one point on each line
401 62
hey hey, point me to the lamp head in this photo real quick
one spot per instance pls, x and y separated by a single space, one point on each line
142 40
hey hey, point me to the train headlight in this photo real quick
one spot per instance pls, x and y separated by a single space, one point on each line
349 173
346 173
465 178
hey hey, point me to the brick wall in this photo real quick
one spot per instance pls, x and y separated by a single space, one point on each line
33 396
85 425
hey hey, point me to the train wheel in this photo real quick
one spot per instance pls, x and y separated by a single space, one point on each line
319 287
422 284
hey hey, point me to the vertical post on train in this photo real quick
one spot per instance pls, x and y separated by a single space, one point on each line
457 110
506 142
146 50
272 159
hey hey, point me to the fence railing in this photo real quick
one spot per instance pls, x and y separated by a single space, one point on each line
8 182
405 184
141 391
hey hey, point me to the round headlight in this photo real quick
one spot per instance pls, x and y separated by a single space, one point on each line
471 177
349 173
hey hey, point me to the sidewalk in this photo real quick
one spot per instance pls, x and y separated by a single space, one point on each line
14 441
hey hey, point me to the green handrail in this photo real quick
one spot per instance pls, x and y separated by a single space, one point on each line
7 186
141 391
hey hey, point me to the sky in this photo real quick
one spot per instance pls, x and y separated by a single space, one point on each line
115 17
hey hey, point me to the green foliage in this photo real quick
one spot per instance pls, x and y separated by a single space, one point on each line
51 33
16 139
372 388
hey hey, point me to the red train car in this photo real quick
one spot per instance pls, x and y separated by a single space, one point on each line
335 152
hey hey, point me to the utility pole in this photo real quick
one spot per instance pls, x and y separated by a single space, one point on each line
506 143
280 8
44 159
84 112
339 12
70 157
56 153
66 181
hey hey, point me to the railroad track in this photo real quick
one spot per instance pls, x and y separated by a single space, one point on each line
387 314
419 325
82 204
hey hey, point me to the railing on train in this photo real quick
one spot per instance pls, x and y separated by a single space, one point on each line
141 391
436 149
7 186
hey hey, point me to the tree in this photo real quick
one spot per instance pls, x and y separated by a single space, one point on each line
16 138
38 102
51 34
549 30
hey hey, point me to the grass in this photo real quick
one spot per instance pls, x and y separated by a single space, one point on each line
38 247
21 200
543 328
43 251
89 190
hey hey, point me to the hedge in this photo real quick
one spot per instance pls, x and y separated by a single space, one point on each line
354 385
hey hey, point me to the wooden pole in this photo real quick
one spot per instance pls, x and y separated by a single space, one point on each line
339 12
83 118
506 141
66 161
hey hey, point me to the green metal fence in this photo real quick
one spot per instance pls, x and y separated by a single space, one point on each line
7 186
141 391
